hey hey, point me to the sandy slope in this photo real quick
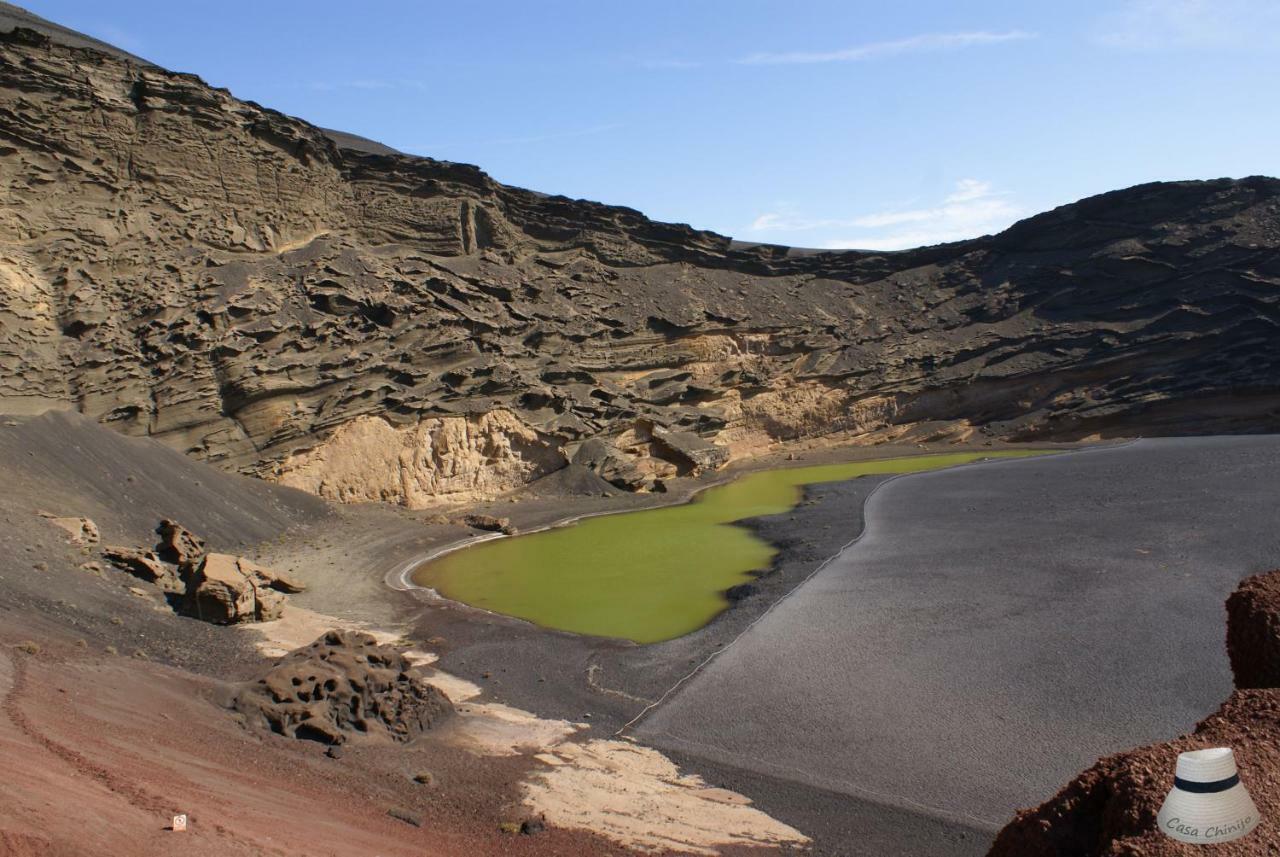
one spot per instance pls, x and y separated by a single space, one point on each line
116 720
101 751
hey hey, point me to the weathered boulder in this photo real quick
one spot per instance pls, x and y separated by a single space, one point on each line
146 565
80 530
177 544
343 686
489 522
277 580
224 589
696 454
613 465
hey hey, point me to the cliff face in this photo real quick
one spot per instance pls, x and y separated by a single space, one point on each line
178 263
1110 809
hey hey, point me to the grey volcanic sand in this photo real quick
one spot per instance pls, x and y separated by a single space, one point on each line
997 628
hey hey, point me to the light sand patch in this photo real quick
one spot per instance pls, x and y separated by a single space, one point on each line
457 689
297 244
493 729
419 658
298 627
638 797
629 793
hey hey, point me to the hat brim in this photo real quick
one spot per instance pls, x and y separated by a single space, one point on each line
1203 819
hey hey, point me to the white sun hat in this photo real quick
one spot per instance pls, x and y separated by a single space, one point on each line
1207 803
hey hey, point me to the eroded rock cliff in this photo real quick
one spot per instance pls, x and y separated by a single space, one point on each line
178 263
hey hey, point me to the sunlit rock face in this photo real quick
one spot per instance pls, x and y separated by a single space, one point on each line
178 263
458 459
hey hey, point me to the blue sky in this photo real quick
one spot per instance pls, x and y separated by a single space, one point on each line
819 124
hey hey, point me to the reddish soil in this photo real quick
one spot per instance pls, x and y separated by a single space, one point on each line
1110 809
1253 631
101 751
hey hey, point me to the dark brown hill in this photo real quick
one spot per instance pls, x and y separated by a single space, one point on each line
178 263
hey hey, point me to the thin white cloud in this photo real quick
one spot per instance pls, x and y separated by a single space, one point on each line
973 208
1200 24
924 43
786 221
669 64
970 189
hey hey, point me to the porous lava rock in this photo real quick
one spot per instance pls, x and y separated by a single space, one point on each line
1110 809
1253 631
343 686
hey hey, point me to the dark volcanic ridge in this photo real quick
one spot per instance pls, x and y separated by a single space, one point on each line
12 17
178 263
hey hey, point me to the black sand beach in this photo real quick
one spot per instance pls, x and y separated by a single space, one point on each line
958 657
998 628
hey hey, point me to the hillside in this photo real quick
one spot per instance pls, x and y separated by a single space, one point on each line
175 262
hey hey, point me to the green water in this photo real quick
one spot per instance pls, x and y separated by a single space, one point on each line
649 575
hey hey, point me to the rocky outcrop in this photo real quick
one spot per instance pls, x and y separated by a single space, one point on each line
343 686
438 459
1110 809
489 523
215 587
367 325
80 531
147 565
225 589
1253 631
178 545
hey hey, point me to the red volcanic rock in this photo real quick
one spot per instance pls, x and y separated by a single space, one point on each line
1253 631
1110 809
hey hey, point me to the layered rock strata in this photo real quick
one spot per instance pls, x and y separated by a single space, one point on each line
179 263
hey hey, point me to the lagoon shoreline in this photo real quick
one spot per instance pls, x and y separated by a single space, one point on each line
603 682
609 682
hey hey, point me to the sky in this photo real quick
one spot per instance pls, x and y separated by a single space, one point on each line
812 123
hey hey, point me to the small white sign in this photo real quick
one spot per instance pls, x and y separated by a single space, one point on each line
180 823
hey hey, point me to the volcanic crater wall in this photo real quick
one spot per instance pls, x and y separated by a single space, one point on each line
178 263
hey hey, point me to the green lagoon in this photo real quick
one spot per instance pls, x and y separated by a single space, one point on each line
648 575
